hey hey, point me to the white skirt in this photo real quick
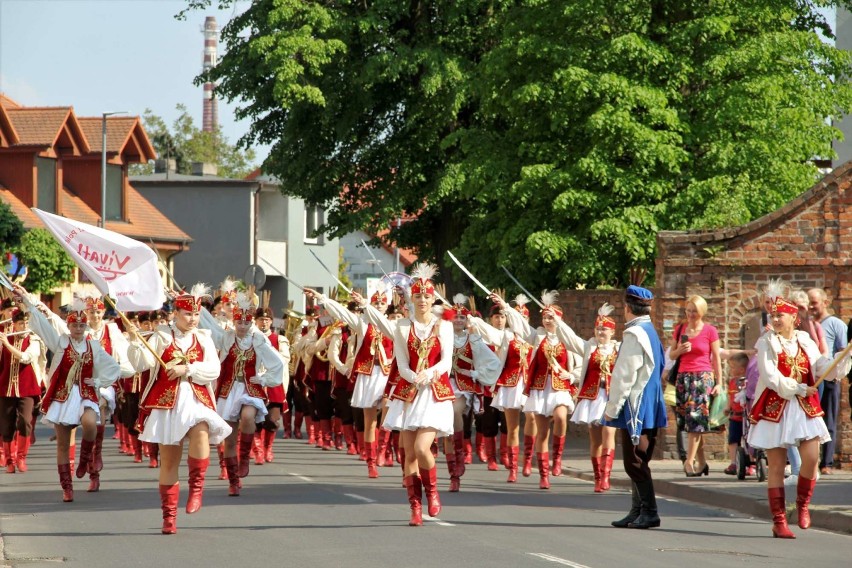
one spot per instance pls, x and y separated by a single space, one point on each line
590 411
423 412
794 427
170 426
509 397
70 412
230 408
544 402
369 389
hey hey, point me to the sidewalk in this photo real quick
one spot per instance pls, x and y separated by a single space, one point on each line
831 505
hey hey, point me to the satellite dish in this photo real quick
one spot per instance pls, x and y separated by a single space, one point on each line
255 276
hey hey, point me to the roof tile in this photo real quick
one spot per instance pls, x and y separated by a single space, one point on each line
37 126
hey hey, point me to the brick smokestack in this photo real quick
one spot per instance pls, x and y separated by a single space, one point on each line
210 118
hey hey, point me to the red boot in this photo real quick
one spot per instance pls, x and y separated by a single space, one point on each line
596 468
65 482
529 444
778 507
257 446
468 451
327 435
543 470
504 450
97 456
372 471
220 450
246 443
362 447
490 444
513 464
558 446
231 466
137 448
606 468
311 427
429 479
337 431
415 499
804 490
8 457
268 441
72 453
383 441
169 495
480 448
287 419
297 425
349 435
94 482
459 443
197 472
455 482
87 448
153 455
23 451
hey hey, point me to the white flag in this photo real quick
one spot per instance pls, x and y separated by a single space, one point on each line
118 266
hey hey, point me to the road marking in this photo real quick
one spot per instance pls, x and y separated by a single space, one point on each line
360 498
437 521
302 477
557 560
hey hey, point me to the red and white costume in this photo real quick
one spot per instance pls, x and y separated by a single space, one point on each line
598 360
515 356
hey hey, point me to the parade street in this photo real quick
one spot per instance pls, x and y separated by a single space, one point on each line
316 508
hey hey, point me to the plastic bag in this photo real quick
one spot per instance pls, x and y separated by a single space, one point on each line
670 395
718 408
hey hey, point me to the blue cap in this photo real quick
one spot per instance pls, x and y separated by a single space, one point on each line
643 295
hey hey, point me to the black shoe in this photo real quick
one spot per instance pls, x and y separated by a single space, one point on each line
706 470
635 509
648 517
647 520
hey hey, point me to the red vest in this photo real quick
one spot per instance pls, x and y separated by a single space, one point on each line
376 349
16 380
105 340
275 395
600 368
770 406
431 350
339 380
517 364
163 393
239 364
463 360
318 370
541 367
63 381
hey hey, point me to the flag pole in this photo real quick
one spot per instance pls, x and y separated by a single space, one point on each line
128 325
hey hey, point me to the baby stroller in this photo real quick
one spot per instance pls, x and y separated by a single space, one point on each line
747 456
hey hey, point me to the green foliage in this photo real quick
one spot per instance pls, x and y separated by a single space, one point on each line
11 228
48 264
555 137
186 143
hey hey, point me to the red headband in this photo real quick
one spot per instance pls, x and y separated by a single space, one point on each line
76 317
95 304
243 315
188 302
523 310
604 321
557 312
423 286
784 307
379 296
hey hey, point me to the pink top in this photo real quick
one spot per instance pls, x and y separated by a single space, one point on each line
698 360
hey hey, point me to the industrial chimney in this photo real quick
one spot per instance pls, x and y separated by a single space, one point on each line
210 119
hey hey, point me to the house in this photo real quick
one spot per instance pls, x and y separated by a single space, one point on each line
239 223
51 159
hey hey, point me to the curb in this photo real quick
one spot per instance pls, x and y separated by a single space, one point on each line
822 519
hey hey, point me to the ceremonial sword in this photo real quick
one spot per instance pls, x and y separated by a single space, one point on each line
469 275
376 260
521 286
293 282
342 285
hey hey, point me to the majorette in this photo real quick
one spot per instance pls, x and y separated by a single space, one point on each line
276 404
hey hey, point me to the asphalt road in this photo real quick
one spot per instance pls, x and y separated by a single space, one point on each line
317 509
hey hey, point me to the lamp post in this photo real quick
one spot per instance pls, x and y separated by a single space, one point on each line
102 222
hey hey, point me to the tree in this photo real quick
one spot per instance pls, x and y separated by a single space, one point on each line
186 143
11 228
48 265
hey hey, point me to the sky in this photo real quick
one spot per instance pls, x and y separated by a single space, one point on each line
109 55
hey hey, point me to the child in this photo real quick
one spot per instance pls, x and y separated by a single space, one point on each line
736 381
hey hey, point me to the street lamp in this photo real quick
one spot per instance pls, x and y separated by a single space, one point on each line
102 222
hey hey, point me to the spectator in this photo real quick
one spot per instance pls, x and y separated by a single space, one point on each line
835 336
808 324
736 382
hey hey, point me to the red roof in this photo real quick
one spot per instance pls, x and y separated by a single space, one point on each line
44 126
124 135
7 102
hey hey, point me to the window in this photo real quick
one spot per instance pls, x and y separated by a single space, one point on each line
314 219
114 193
46 198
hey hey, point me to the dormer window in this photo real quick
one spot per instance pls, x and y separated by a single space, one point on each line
114 193
46 184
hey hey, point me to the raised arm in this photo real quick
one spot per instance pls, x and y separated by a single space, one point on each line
208 322
270 359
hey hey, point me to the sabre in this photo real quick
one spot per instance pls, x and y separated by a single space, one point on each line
341 284
469 275
521 286
376 260
293 282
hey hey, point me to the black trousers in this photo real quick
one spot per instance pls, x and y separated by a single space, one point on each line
635 460
16 414
323 404
343 406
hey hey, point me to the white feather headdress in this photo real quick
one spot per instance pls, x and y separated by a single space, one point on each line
776 288
605 310
548 297
459 300
424 271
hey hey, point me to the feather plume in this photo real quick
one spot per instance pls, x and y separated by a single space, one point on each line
227 285
459 300
606 309
424 271
776 288
521 300
245 301
200 290
87 291
78 304
548 297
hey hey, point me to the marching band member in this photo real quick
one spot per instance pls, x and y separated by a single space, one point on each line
80 367
598 359
554 372
318 376
636 404
249 364
373 360
341 356
421 403
787 411
277 402
178 401
19 389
